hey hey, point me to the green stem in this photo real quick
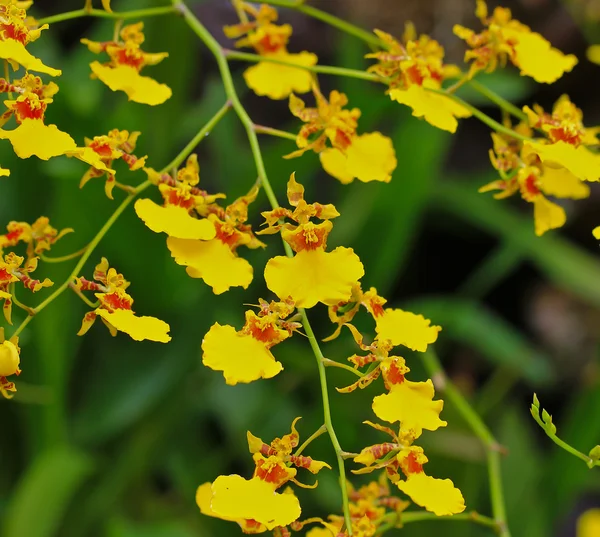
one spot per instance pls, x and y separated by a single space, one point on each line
484 118
260 129
391 520
323 69
327 417
181 156
500 101
221 59
135 14
83 297
64 257
434 367
327 18
321 430
332 363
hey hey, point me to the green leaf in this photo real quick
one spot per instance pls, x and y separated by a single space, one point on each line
45 491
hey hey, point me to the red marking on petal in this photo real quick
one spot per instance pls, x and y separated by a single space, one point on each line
115 301
25 110
394 375
530 185
410 464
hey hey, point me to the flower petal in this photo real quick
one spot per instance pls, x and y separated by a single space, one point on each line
173 220
438 496
279 81
13 50
588 524
140 89
237 498
89 156
313 276
561 183
241 357
536 58
438 110
370 157
139 328
32 137
580 161
406 328
212 261
412 404
547 215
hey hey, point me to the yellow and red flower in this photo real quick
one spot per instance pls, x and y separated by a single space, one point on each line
312 275
506 39
127 59
115 307
39 236
415 70
245 355
116 145
366 157
270 41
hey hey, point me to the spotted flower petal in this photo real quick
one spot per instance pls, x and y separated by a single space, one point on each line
140 89
438 110
237 498
279 81
173 220
241 357
139 328
313 276
13 50
32 137
438 496
406 328
537 58
212 261
412 404
370 157
580 161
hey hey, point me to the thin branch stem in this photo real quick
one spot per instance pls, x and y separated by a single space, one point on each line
321 430
91 304
63 258
18 303
391 520
181 156
434 367
332 363
323 69
261 129
500 101
221 59
327 18
100 13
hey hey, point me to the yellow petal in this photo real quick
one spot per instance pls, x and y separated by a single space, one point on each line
140 89
32 137
439 496
89 156
561 183
580 161
212 261
174 221
139 328
536 58
588 524
596 232
370 157
547 215
241 357
238 498
13 50
319 532
412 404
593 54
406 328
4 172
438 110
279 81
9 358
315 276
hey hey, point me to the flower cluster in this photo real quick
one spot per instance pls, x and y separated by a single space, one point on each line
269 40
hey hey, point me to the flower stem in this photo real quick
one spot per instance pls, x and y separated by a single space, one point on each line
391 520
63 258
332 363
260 129
91 304
221 59
327 18
89 249
321 430
134 14
493 448
500 101
323 69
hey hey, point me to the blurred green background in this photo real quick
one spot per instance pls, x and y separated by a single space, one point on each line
109 437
